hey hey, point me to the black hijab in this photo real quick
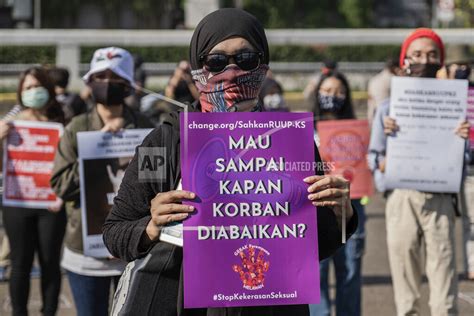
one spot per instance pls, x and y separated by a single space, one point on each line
223 24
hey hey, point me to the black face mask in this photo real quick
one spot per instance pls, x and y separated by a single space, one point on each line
462 73
109 93
423 70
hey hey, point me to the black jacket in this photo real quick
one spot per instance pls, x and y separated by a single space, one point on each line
160 290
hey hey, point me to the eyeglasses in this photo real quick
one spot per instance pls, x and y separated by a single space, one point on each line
216 62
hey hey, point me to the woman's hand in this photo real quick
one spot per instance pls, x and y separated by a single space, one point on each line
166 208
56 206
389 125
331 191
4 129
463 129
113 125
382 165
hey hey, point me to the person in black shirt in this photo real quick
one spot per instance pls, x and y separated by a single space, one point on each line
132 229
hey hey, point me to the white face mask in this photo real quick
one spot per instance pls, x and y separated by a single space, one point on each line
35 98
273 101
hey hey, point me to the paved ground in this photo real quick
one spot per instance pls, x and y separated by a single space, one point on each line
377 289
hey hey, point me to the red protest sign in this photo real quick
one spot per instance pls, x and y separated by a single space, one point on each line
28 156
344 145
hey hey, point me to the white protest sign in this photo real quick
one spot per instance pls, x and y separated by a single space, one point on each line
426 154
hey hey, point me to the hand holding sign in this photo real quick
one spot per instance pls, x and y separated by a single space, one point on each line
113 125
382 165
463 130
4 129
166 208
389 125
331 191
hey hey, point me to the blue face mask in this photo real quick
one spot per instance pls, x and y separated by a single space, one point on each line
35 98
330 103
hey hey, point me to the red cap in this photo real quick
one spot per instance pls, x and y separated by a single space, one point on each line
419 33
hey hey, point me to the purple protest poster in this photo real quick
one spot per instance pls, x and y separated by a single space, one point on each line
253 237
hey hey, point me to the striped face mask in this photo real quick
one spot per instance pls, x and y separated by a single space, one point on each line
221 91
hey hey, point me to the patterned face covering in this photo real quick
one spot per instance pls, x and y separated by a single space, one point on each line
222 90
331 103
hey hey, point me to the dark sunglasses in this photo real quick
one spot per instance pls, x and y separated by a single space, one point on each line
216 62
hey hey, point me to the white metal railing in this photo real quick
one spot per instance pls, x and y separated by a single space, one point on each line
86 37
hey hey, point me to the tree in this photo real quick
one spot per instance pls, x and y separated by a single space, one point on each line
311 14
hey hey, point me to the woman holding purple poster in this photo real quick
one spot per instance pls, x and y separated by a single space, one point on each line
229 50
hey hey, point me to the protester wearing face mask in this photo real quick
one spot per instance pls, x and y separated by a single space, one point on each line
30 230
110 80
229 56
417 222
271 96
334 102
333 97
310 89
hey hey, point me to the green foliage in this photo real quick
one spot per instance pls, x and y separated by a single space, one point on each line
356 12
311 14
277 53
47 54
150 13
27 54
53 12
464 13
272 13
337 53
296 14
